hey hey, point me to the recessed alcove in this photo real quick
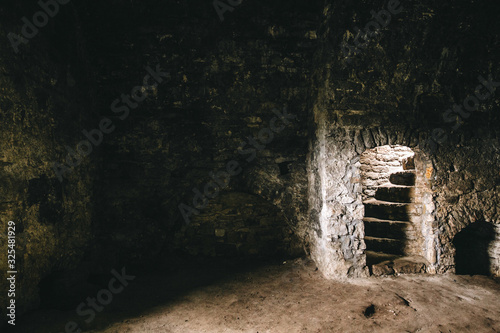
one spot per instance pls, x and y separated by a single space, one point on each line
397 217
473 246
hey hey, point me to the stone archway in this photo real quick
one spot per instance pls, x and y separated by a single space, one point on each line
398 219
336 208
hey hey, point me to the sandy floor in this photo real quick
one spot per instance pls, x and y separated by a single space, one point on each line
291 297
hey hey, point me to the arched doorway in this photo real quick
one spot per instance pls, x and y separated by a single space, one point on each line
472 246
398 210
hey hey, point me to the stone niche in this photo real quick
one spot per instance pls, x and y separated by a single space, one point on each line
477 249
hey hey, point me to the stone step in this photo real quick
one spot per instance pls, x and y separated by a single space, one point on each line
388 229
373 257
399 265
406 178
386 210
385 245
395 193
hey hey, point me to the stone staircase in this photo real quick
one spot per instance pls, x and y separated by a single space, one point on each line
388 226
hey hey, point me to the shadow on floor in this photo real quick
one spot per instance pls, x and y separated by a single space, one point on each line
153 287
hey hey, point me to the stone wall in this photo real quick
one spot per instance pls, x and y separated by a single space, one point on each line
494 251
395 91
222 85
45 103
239 225
224 82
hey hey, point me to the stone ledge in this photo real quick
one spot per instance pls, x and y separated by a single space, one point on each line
402 265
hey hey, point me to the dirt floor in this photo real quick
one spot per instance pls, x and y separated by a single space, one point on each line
286 297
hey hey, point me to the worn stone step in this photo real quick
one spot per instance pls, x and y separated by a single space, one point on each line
373 257
395 193
388 229
385 245
385 210
406 178
399 265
